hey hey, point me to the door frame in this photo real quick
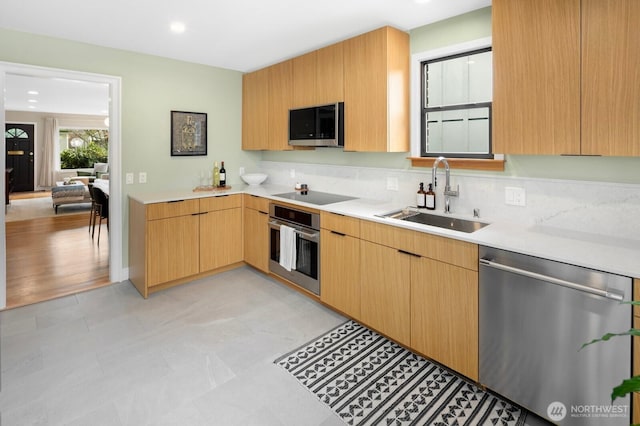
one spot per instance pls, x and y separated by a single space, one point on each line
116 272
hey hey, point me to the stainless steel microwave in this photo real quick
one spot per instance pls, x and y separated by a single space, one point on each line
317 126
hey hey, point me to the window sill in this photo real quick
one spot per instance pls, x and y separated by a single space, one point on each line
461 163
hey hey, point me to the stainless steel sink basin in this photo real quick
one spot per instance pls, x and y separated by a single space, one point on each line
411 215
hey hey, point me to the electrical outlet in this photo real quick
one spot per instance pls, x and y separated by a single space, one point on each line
142 177
241 171
292 173
514 196
392 183
129 178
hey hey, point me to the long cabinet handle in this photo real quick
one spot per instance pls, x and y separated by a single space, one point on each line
564 283
409 253
339 233
175 201
198 214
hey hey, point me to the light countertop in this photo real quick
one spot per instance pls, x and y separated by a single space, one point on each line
615 255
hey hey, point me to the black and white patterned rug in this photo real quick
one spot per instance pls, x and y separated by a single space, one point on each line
369 380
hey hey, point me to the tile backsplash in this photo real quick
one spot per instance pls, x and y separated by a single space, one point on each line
605 210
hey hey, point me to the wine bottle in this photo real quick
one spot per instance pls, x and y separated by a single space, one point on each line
223 176
216 175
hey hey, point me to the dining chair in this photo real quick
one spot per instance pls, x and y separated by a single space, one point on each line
103 202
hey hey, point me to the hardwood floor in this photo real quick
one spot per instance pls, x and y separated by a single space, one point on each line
52 257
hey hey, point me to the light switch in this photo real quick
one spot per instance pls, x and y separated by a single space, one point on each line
129 178
514 196
142 177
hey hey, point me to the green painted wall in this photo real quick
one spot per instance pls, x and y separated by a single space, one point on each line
471 26
151 88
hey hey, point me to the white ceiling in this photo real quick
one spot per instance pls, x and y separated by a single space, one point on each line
242 35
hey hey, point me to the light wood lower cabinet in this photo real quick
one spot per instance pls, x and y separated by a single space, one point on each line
386 290
340 263
256 232
444 314
174 241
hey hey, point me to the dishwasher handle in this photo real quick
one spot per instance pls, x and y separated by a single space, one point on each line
569 284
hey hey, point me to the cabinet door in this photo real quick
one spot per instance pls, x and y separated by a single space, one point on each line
385 290
256 239
340 272
255 110
444 314
304 80
172 249
280 100
376 91
330 74
220 238
536 75
610 89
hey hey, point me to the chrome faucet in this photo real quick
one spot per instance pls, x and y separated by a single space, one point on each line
447 185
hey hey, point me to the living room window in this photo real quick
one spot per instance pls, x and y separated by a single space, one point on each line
82 148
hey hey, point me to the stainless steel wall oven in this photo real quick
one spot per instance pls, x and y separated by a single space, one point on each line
306 225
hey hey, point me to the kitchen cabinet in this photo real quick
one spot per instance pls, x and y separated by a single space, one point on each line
385 290
171 242
340 263
610 89
565 75
220 231
266 100
376 91
318 77
256 232
429 285
255 109
444 314
280 100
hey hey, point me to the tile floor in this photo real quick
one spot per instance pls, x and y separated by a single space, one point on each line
198 354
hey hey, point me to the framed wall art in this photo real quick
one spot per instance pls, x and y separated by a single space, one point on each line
188 133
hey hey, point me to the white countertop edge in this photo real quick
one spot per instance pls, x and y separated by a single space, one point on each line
603 256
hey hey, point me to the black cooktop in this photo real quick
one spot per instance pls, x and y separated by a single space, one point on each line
314 197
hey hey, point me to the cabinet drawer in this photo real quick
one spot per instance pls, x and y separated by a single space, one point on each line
341 224
449 250
444 249
221 202
171 209
390 236
256 203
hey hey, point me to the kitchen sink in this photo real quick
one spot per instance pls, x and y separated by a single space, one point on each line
411 215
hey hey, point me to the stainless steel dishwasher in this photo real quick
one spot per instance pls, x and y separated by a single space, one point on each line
535 314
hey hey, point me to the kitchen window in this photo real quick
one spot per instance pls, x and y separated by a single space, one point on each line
456 93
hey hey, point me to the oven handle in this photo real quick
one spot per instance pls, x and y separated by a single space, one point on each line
276 225
569 284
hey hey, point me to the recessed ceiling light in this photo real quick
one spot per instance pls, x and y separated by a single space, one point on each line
177 27
32 107
33 92
33 101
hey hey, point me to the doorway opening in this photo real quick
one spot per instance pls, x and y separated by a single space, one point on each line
114 240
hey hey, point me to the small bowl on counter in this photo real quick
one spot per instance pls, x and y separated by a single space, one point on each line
254 179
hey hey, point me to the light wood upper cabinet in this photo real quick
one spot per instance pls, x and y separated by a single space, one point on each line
376 91
318 77
280 100
610 76
255 110
565 77
536 69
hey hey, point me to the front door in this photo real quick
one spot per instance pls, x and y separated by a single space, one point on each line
19 139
